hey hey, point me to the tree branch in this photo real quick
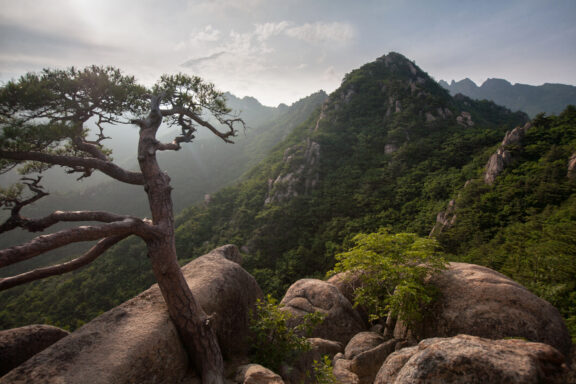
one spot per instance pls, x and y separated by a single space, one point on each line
41 244
223 135
106 167
15 220
90 148
41 224
59 269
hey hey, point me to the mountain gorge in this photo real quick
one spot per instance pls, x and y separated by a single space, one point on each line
389 148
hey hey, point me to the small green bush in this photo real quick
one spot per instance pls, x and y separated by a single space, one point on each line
392 269
274 342
323 371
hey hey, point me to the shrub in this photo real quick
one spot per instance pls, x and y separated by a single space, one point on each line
274 342
392 269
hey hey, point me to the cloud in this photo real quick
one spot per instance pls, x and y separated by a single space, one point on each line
194 62
209 33
267 30
318 33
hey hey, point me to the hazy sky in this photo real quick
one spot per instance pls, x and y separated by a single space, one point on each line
282 50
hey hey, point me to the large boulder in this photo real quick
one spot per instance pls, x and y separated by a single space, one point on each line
363 357
478 301
471 359
226 291
347 282
341 320
136 342
19 344
256 374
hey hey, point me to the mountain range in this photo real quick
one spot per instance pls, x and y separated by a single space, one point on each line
389 148
532 99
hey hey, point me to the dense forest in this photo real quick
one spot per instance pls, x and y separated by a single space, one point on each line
389 149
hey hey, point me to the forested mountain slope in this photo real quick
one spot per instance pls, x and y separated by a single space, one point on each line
389 148
200 169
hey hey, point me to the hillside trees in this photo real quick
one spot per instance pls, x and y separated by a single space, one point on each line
43 123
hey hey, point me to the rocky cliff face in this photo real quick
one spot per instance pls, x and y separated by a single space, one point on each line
299 174
503 157
572 166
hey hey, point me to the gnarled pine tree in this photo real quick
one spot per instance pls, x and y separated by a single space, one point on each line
44 122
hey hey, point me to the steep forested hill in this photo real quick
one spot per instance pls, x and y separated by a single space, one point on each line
389 148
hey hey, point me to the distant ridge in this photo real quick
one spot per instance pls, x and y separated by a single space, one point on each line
532 99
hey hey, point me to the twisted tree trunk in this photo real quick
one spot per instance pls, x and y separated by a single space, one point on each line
189 318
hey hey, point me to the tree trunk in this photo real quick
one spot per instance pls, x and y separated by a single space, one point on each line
189 318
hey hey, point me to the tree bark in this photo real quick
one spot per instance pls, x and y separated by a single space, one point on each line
189 318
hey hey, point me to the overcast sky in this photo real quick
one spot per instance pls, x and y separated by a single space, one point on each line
282 50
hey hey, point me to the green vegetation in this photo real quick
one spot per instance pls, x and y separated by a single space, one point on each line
324 371
392 269
274 342
525 224
379 166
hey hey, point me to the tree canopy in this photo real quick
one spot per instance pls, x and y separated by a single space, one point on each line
44 122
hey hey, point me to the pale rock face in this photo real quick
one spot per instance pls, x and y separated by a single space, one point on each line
302 175
503 157
478 301
465 119
470 359
390 148
572 166
19 344
445 219
256 374
347 282
341 320
363 357
136 342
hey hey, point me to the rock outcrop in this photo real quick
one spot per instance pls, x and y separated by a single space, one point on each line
19 344
362 358
572 166
341 320
227 292
445 219
256 374
470 359
300 174
503 157
137 343
478 301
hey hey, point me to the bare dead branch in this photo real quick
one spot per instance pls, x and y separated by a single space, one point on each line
41 244
59 269
106 167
